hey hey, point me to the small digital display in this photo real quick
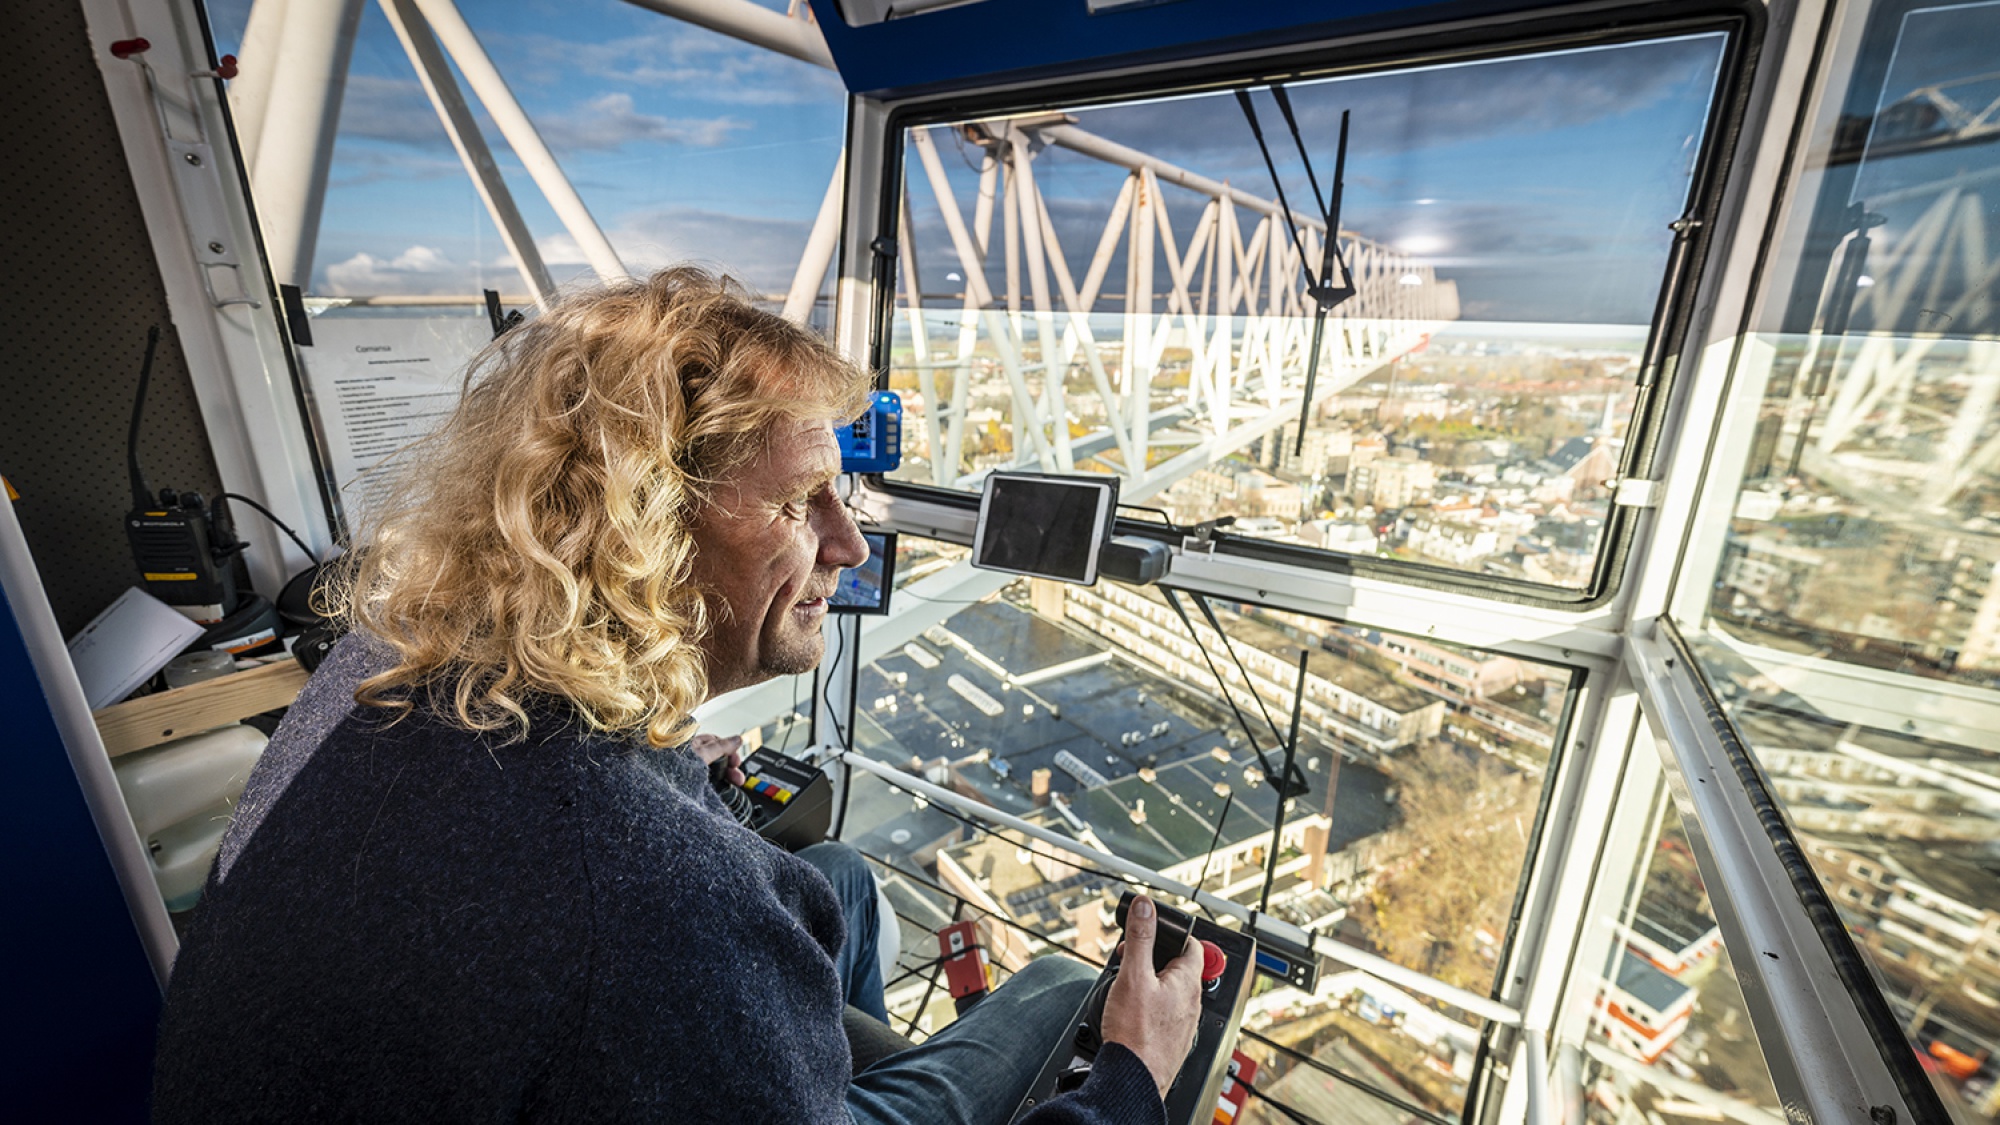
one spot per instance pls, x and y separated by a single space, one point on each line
1049 527
865 588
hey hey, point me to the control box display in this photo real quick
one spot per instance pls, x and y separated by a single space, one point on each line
865 588
781 799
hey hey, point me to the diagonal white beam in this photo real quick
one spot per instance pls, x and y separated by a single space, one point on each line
434 72
485 79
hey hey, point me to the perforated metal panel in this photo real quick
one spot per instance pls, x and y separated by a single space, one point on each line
77 293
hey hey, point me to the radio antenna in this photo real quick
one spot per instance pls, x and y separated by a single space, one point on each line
1213 840
1278 815
142 496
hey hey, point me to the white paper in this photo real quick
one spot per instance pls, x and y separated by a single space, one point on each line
379 383
125 645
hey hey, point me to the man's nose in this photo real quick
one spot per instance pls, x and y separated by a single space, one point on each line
840 541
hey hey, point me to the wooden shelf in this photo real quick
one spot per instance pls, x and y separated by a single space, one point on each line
178 712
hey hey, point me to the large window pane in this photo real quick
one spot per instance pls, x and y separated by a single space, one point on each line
1091 711
1853 628
683 143
1111 289
1667 1035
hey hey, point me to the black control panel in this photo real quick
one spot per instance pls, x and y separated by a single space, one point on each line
781 799
1228 973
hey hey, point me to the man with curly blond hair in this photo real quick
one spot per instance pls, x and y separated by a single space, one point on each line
480 873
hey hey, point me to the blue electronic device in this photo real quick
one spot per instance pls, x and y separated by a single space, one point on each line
874 443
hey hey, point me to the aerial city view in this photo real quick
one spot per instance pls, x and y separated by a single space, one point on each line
1091 711
1492 449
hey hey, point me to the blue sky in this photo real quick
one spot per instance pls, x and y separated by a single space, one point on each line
1542 185
683 143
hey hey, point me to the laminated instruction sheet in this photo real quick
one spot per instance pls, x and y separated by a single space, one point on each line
378 382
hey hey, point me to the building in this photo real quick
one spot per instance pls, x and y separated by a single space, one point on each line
1392 482
1457 674
1643 1011
1346 702
1235 488
1453 542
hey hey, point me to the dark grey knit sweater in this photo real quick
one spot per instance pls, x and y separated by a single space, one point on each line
409 922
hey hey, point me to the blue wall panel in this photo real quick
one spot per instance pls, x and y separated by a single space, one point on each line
80 1002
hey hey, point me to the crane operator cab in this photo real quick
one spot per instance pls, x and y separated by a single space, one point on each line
1486 513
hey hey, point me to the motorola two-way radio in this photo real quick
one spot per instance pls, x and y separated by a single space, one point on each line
185 547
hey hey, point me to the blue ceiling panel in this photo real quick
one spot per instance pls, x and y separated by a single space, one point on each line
979 44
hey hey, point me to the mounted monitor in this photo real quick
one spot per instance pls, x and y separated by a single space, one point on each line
865 588
1045 526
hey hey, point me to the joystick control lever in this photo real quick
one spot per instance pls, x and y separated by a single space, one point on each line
1228 967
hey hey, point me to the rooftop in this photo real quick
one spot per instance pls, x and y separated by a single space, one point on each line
1644 982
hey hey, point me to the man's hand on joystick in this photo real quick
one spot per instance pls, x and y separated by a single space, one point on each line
1154 1014
724 756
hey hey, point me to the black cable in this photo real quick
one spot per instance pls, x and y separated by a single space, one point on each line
913 971
957 915
1306 1060
1212 841
826 693
847 768
1285 107
1173 601
1208 615
1250 114
142 493
1278 814
1160 512
269 515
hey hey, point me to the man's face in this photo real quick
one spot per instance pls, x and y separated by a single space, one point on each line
768 551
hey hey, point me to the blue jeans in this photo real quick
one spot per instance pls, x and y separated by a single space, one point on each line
976 1070
860 962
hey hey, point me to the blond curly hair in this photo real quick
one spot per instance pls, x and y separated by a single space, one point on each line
538 544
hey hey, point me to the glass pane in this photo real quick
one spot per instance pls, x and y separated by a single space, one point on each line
683 144
1113 289
1669 1036
1091 712
1853 624
1867 527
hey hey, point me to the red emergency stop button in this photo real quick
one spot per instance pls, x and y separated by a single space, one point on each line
1212 964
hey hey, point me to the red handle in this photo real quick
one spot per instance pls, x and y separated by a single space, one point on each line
1212 962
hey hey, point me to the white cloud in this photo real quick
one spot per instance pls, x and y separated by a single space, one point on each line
686 59
417 270
761 252
611 122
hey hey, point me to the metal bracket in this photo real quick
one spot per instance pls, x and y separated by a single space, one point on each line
1637 492
1202 542
197 187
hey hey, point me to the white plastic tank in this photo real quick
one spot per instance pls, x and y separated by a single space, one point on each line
181 795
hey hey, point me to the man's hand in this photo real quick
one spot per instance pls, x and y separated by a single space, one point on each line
711 749
1154 1015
